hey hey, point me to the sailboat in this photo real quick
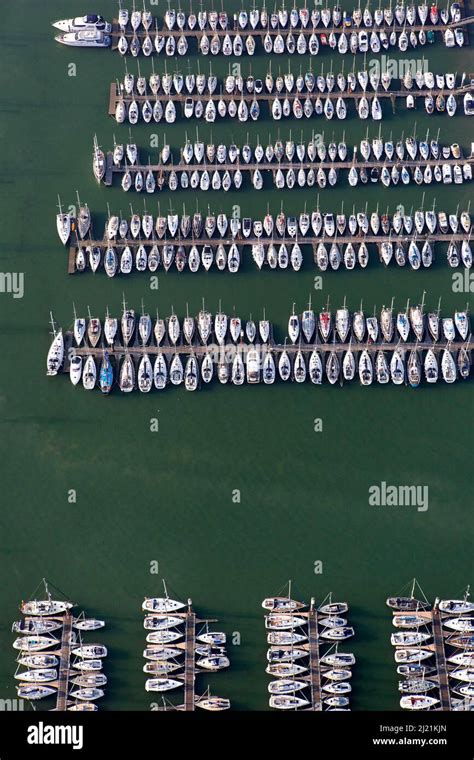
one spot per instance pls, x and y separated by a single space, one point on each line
55 356
98 161
365 368
45 607
414 368
293 326
264 329
145 374
89 374
63 224
127 375
79 328
127 324
160 372
342 323
191 373
204 323
407 603
348 365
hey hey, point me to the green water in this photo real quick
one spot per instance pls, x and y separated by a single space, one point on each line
167 496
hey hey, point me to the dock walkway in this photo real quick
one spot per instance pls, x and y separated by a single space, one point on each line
264 97
64 664
189 661
440 657
273 166
314 664
199 350
307 31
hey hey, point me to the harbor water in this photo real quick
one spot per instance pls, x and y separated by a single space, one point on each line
232 491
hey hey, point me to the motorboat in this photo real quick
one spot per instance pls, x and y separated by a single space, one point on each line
86 38
81 23
75 369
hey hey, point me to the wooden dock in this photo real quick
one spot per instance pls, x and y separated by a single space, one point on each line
314 664
115 96
136 351
190 661
245 243
440 656
260 33
264 166
188 647
64 664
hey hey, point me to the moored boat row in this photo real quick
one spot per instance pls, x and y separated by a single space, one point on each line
207 167
179 646
428 641
258 19
304 676
402 348
358 81
207 98
144 243
312 224
52 655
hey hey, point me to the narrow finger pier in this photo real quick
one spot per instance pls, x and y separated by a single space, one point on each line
53 661
303 657
180 646
434 651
